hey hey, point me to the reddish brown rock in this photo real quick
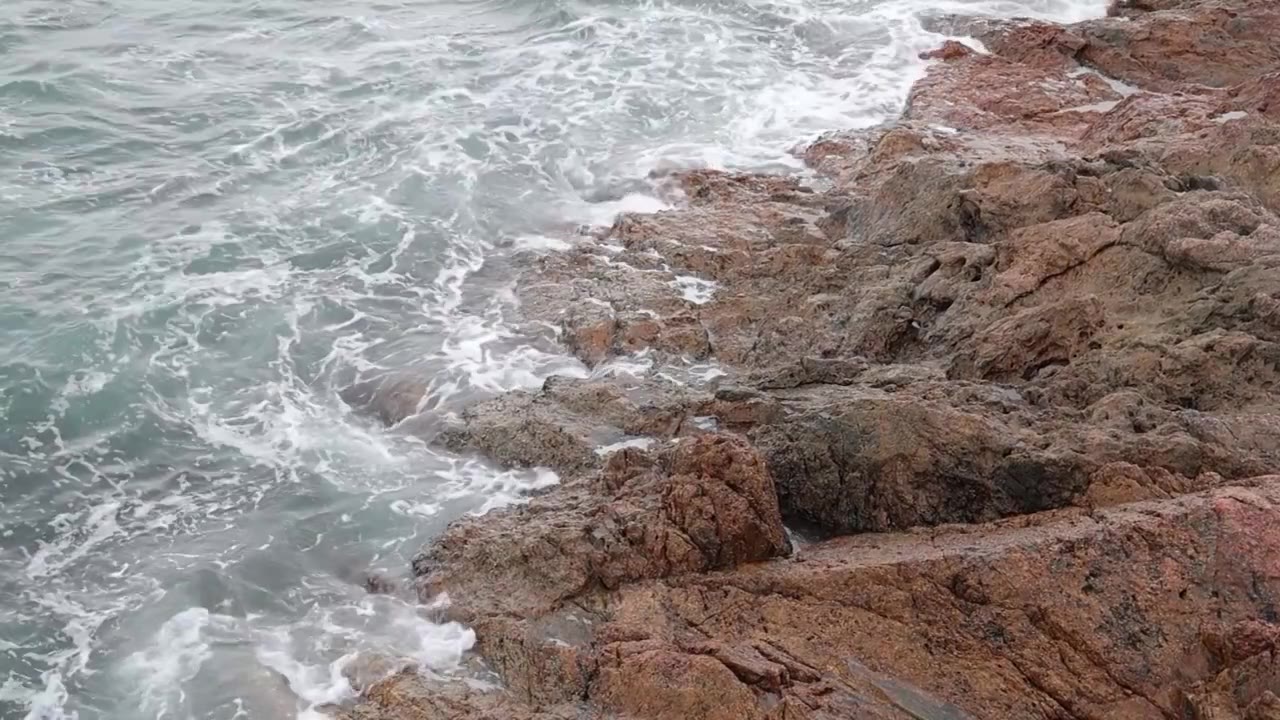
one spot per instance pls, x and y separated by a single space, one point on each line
1030 331
405 694
1177 46
1034 43
880 462
564 424
950 50
1259 95
992 92
706 503
640 680
1021 346
1069 261
1148 611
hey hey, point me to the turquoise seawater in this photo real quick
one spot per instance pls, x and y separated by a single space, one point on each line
216 215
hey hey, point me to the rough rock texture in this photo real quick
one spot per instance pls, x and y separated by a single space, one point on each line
1158 610
1170 45
564 424
705 503
1013 372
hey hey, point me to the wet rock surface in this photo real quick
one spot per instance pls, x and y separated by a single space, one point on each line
1012 372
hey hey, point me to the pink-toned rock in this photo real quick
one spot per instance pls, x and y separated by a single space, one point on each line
1022 345
1034 43
706 503
950 50
1147 611
991 92
1178 46
1022 351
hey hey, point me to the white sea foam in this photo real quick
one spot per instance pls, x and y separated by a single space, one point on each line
96 526
314 685
695 289
469 478
49 702
381 625
1122 88
299 205
636 365
541 243
706 422
639 443
604 213
172 659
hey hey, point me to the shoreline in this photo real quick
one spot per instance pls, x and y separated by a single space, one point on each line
1012 376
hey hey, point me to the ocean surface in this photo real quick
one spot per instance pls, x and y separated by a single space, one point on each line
216 215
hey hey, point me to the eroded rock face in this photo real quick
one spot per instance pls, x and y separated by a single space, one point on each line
565 424
1023 353
883 462
704 503
1172 45
1152 610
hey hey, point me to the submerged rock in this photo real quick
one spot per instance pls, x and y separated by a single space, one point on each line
390 398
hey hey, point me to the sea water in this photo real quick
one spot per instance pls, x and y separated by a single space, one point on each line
216 215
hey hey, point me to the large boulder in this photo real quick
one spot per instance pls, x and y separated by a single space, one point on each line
706 502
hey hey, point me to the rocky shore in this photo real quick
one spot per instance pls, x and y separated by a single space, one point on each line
978 426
